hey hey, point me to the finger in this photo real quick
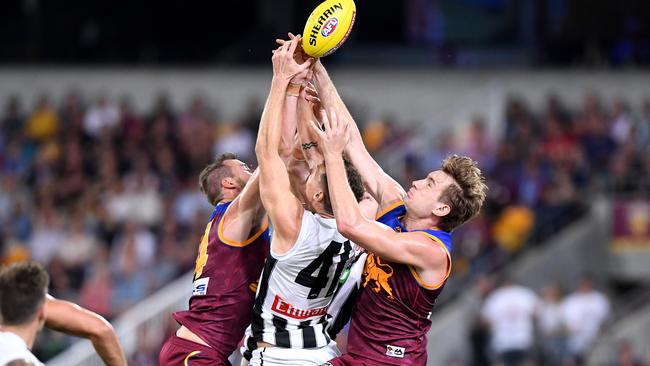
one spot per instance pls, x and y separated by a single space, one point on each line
291 36
279 41
293 45
311 90
286 45
312 99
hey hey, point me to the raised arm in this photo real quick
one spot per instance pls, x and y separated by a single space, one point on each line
413 248
283 208
72 319
381 186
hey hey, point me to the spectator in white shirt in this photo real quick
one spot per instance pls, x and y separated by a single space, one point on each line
509 312
550 325
23 287
584 312
101 116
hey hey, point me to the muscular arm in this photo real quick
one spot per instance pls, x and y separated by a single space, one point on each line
284 210
245 213
305 134
409 248
384 189
72 319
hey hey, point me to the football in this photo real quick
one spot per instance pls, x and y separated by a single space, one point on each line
328 26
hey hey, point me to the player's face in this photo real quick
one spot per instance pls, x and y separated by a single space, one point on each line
314 188
240 171
423 198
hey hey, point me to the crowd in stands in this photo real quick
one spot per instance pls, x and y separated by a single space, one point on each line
107 198
542 172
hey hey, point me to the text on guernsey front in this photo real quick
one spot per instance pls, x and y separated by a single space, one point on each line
283 307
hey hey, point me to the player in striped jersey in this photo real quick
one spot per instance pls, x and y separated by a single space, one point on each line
307 255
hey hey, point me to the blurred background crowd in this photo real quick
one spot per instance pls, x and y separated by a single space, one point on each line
107 198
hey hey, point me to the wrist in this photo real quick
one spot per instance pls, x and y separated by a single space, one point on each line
279 82
293 89
333 155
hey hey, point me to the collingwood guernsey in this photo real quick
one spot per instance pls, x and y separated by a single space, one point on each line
296 288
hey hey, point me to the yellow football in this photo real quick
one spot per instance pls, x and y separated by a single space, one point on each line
328 26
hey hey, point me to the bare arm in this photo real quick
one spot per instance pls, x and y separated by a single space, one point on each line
306 136
245 213
413 248
384 189
283 208
72 319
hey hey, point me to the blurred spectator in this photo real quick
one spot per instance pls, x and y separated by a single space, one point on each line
43 123
625 355
102 116
551 326
584 312
509 312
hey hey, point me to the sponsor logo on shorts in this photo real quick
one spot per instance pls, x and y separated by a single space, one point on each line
397 352
329 27
200 286
282 307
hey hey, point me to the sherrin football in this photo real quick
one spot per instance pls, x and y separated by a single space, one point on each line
328 26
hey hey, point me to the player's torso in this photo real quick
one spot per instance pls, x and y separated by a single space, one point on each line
225 281
296 288
391 317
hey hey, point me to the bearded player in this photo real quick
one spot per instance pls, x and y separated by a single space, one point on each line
409 260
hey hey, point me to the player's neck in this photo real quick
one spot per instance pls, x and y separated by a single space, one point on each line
26 332
411 222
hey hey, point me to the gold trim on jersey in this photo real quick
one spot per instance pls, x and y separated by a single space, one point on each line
233 243
388 208
187 359
415 273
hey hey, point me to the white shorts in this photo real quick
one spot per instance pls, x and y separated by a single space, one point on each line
272 356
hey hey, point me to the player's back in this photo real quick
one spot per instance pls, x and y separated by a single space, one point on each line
296 288
224 287
391 317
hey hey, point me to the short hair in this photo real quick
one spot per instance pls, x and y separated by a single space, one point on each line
354 180
211 176
466 196
23 287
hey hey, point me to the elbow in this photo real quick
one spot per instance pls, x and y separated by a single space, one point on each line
348 227
101 329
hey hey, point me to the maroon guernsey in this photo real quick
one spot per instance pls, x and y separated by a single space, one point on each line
225 281
391 316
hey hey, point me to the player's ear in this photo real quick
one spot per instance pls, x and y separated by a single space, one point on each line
319 196
441 209
228 182
41 316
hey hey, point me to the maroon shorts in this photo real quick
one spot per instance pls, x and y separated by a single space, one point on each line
181 352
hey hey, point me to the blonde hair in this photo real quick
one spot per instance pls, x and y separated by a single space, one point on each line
466 196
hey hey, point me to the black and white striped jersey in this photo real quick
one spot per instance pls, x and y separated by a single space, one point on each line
296 288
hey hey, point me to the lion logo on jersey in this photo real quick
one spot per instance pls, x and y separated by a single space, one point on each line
374 270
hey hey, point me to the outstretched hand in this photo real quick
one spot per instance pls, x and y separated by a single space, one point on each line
334 135
285 66
299 54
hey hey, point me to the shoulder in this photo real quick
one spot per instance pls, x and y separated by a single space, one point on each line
391 211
